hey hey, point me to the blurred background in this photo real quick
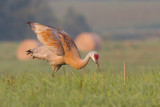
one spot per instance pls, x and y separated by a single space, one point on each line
130 29
115 19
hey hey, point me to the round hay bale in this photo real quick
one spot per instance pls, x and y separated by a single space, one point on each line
24 46
88 41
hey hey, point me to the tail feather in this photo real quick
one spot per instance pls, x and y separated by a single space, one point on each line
38 53
29 52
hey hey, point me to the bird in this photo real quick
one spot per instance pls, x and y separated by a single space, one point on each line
58 48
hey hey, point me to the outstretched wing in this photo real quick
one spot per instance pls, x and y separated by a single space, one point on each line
49 37
69 46
72 56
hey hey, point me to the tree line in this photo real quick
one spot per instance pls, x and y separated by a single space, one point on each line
14 15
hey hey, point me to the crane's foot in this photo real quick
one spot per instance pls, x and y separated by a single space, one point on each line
53 75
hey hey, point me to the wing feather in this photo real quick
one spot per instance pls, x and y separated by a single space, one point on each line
69 46
49 37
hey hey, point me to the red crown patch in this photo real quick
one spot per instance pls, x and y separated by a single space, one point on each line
96 56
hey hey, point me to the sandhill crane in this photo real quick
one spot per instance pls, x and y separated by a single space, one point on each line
59 48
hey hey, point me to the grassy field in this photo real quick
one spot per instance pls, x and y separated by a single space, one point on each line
29 83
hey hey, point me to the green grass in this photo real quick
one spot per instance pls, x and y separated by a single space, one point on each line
80 89
29 83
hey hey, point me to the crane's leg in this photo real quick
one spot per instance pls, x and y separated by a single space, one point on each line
55 69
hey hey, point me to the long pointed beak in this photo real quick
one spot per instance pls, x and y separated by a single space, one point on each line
97 66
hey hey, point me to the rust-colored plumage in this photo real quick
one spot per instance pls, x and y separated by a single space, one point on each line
58 49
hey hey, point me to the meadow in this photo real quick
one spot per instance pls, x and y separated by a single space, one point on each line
30 84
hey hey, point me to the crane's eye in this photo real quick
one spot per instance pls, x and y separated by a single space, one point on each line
96 56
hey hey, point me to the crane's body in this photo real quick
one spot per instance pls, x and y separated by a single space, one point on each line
58 49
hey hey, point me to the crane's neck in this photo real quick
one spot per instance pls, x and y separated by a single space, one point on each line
80 63
85 60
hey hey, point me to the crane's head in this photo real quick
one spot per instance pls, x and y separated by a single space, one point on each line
95 56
